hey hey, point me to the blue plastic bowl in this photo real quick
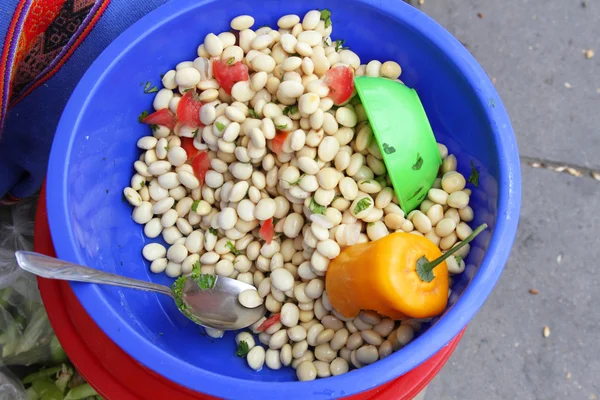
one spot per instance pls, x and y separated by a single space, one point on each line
95 147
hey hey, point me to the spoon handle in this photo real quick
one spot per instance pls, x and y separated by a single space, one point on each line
53 268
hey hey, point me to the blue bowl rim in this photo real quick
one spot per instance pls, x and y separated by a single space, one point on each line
406 359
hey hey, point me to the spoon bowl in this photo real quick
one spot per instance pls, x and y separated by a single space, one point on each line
213 307
404 136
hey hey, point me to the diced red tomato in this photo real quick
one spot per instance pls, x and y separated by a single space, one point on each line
188 145
161 117
278 140
267 231
341 83
200 164
228 75
188 109
269 322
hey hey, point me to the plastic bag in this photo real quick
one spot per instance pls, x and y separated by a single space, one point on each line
26 336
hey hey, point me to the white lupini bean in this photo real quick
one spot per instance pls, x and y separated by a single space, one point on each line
241 91
250 298
187 77
256 358
242 22
177 253
458 199
188 180
265 209
282 279
290 315
290 89
154 251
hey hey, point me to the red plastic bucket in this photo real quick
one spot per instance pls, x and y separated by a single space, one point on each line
117 376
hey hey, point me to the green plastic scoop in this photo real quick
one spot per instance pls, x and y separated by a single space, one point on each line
404 135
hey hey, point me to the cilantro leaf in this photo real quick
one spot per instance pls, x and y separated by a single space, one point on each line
362 205
339 45
154 127
458 259
326 16
281 127
243 349
195 205
230 61
220 126
148 89
231 247
474 178
316 207
252 113
195 133
296 182
143 115
213 231
417 166
290 110
206 281
196 270
387 149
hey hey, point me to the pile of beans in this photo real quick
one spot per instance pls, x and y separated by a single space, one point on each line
330 163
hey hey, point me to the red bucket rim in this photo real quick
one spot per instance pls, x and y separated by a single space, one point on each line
110 370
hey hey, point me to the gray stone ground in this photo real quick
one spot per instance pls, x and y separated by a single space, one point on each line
534 50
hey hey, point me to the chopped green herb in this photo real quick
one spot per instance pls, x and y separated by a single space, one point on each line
143 115
154 127
186 90
213 231
252 113
220 126
281 127
362 205
231 247
230 61
167 148
195 133
417 166
327 41
458 259
195 270
142 184
243 349
371 224
316 207
296 182
326 16
339 45
474 178
206 281
148 89
195 205
290 110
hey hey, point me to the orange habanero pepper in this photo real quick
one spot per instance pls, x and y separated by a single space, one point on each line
393 276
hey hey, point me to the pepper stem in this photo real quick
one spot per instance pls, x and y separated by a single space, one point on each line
425 267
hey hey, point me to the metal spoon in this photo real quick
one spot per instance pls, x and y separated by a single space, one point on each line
217 307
